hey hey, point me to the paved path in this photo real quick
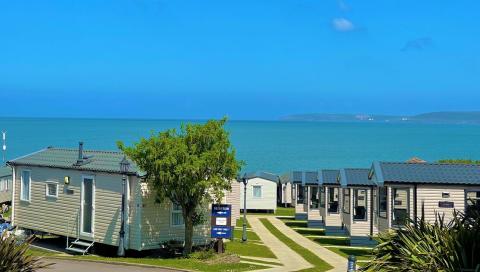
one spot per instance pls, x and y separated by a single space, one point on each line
290 259
83 266
338 262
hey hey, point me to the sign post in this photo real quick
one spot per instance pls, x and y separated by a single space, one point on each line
221 224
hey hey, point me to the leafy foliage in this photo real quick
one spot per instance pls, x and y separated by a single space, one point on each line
460 161
440 246
14 256
191 167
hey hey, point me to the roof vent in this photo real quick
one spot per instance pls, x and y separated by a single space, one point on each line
82 159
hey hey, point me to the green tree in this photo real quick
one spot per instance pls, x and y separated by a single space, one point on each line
190 167
459 161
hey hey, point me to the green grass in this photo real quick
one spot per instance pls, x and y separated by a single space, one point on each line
237 234
331 241
249 249
319 264
260 261
180 263
37 252
8 214
282 211
311 231
296 223
240 223
361 254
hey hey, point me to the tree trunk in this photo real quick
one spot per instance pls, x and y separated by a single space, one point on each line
188 235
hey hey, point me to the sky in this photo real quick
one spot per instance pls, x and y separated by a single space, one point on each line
250 60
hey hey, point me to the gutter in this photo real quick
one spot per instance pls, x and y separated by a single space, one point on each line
415 204
371 212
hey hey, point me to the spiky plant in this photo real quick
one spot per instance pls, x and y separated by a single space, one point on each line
438 246
15 258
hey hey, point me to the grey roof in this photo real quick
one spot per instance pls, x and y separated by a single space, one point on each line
102 161
355 177
401 172
310 178
329 177
262 175
5 171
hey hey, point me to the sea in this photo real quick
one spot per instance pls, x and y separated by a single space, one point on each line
273 146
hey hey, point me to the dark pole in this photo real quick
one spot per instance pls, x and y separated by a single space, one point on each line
244 234
121 243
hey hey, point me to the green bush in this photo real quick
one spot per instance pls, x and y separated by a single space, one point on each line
439 246
14 256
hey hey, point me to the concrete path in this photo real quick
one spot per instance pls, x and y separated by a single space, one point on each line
83 266
290 259
338 262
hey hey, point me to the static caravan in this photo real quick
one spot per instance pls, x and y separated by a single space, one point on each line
232 197
284 192
295 178
358 208
311 205
420 190
261 192
5 185
330 202
78 194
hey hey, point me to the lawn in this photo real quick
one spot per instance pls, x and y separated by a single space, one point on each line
249 249
296 223
37 252
211 265
237 234
360 253
331 241
240 223
319 264
310 231
280 211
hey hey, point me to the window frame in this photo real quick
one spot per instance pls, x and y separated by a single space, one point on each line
379 209
355 201
344 196
29 185
47 183
321 197
253 191
300 188
465 197
392 201
173 212
4 185
310 192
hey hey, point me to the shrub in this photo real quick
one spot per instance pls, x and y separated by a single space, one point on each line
14 256
440 246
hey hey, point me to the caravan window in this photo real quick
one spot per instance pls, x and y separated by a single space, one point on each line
472 201
4 185
322 196
51 189
382 202
300 194
346 200
360 204
25 183
177 217
400 206
257 191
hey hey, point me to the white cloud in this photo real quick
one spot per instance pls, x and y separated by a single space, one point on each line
342 25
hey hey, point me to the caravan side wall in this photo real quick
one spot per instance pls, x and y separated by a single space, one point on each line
6 193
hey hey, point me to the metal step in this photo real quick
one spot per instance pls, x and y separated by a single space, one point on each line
82 243
77 250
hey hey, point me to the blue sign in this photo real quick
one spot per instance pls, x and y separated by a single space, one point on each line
221 210
221 232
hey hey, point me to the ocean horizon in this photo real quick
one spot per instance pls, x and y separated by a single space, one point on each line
269 145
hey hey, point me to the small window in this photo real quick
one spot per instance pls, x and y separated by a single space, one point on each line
177 217
25 186
360 204
51 189
333 196
346 200
400 206
382 202
257 191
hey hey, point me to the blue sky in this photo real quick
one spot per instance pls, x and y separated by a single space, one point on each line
245 59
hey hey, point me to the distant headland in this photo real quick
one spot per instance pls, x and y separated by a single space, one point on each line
445 117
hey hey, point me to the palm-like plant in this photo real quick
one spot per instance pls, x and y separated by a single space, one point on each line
15 258
439 246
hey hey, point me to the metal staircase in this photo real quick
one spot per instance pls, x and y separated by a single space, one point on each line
80 247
